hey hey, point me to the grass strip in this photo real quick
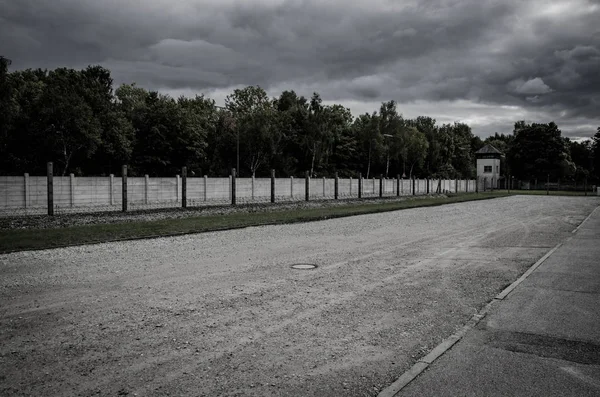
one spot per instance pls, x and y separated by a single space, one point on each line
544 192
34 239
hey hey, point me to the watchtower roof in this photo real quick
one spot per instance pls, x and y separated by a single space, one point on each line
489 149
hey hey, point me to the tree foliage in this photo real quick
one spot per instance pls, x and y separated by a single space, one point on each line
73 118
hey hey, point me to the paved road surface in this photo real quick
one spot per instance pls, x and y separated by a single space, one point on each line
224 314
542 340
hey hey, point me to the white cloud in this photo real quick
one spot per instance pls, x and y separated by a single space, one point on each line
534 86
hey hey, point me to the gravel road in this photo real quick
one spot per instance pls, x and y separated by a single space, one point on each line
224 314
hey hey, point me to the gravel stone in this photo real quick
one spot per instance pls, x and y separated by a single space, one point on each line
222 313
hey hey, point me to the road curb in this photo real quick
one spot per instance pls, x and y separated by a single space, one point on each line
585 220
537 264
443 347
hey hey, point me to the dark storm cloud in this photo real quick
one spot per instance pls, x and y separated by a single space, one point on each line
486 62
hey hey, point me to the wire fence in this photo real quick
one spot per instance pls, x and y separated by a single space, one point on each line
34 195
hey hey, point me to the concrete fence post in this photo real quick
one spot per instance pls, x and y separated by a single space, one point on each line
306 186
233 190
476 184
272 186
71 190
50 174
26 190
111 186
184 187
146 188
373 185
252 180
205 187
359 185
323 186
229 187
124 188
335 187
291 186
350 192
177 184
413 186
381 185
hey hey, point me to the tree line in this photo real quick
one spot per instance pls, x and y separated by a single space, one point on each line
75 119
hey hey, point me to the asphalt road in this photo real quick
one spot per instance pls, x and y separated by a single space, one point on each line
542 339
224 314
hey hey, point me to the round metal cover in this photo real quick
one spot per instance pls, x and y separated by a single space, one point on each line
304 266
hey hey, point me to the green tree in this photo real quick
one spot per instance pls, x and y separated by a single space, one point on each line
414 148
69 124
537 151
391 126
434 159
256 124
581 155
292 117
369 138
596 154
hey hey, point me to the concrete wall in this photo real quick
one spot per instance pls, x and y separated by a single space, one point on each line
105 193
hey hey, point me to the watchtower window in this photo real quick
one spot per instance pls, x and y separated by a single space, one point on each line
487 168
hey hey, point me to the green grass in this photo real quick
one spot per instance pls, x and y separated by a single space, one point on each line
27 239
543 192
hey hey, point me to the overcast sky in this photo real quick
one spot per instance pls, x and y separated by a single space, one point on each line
486 63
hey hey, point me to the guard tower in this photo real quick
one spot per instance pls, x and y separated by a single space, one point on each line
488 167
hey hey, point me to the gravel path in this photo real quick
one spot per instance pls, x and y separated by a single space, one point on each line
224 314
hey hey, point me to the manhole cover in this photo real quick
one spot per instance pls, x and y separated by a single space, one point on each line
304 266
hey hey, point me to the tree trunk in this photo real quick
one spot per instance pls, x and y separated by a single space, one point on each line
369 164
312 163
67 159
387 165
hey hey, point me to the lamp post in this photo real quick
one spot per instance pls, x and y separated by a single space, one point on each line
237 144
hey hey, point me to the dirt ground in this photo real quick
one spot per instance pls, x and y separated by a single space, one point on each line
224 314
